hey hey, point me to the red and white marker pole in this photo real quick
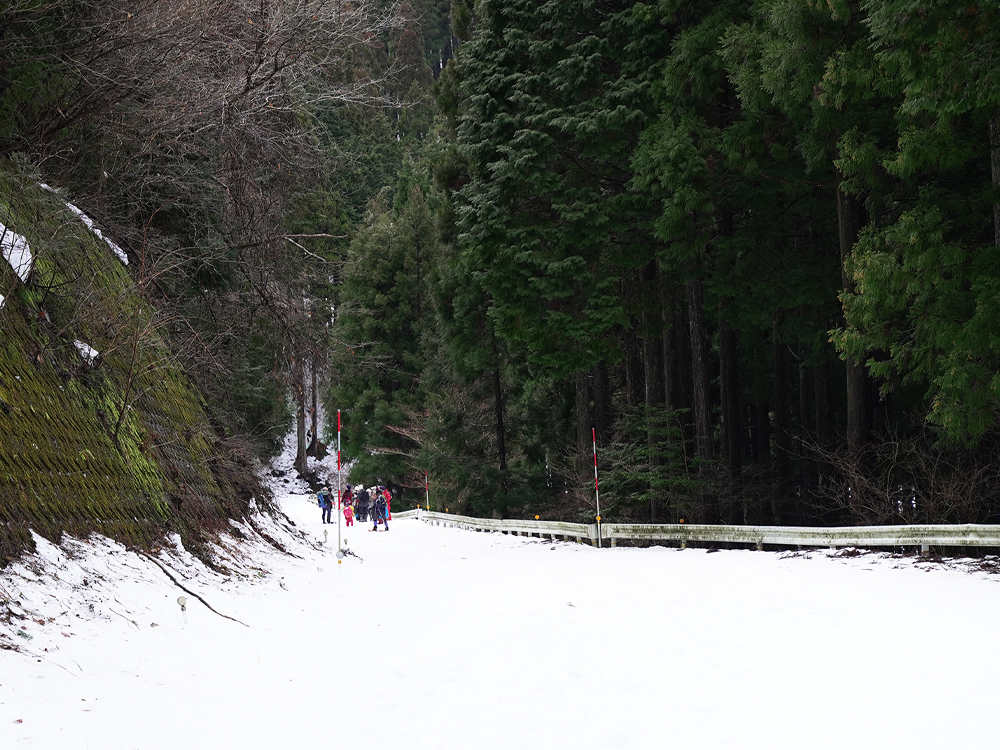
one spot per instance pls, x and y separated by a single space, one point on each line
340 492
597 490
427 492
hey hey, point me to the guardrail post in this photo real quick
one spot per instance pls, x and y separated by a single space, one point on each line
614 542
684 543
925 549
760 545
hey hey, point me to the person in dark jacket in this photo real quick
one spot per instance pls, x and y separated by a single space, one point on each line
362 504
380 512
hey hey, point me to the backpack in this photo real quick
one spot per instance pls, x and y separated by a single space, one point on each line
380 506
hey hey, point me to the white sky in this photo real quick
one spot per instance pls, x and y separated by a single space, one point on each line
448 639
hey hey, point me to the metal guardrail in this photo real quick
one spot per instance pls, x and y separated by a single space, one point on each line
924 536
552 529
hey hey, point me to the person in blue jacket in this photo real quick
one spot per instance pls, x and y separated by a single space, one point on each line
326 503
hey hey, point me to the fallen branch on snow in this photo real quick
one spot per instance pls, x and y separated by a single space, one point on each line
186 590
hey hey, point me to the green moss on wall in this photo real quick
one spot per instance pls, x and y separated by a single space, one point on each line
121 446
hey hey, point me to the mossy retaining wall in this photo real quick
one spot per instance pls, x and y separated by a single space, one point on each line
67 462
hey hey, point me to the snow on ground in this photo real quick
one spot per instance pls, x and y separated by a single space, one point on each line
16 252
89 224
441 638
87 352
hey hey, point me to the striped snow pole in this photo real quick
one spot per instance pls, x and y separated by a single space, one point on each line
340 492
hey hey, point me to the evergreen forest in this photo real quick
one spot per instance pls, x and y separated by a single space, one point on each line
746 252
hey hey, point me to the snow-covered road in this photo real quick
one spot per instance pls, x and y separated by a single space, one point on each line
442 638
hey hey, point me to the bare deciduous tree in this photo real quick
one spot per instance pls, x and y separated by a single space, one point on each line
188 127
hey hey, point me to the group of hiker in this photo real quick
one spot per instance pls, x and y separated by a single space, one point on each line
360 502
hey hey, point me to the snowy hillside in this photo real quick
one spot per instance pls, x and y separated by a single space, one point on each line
440 638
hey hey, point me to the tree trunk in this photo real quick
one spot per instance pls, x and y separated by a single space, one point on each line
501 428
995 171
634 386
729 377
849 227
314 408
823 421
807 421
762 431
652 371
731 435
299 396
583 420
654 393
701 393
501 437
699 370
782 425
603 412
669 355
